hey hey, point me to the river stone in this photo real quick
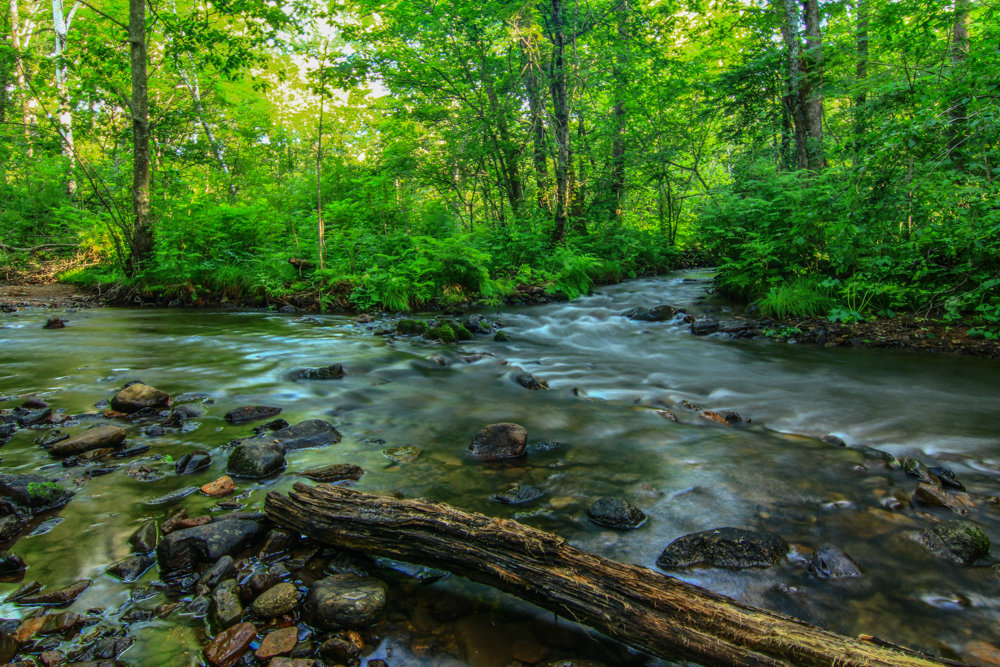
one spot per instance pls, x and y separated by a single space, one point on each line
654 314
31 417
730 548
29 495
143 541
915 468
220 487
223 569
256 460
308 433
193 462
182 549
137 396
230 644
403 454
518 494
226 609
249 413
172 496
529 381
832 562
92 438
63 596
932 494
333 473
345 601
499 441
947 477
956 541
615 513
331 372
279 642
277 600
11 563
132 568
704 326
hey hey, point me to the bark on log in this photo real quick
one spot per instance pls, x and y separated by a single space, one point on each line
638 606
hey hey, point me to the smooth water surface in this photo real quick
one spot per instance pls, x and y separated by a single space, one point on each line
610 379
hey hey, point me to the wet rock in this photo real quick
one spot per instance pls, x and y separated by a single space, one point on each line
54 323
704 326
63 596
143 541
154 431
956 541
931 494
277 543
32 417
403 454
529 381
277 600
345 601
499 441
501 337
726 418
342 648
730 548
10 526
132 451
8 647
26 496
333 473
173 496
227 646
331 372
131 569
220 487
877 454
476 323
62 623
615 513
182 549
274 425
256 459
947 477
181 414
833 439
138 396
221 570
411 327
192 463
518 494
308 433
978 652
832 562
24 590
294 662
249 413
279 642
11 563
655 314
226 608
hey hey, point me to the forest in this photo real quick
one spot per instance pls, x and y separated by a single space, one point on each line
832 159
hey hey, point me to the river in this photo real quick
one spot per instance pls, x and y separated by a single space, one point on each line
610 380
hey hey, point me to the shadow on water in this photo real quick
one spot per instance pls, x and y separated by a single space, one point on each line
611 380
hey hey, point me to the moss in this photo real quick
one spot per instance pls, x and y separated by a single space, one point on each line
501 337
442 332
45 492
411 327
461 332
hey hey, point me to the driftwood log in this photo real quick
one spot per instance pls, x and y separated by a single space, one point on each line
635 605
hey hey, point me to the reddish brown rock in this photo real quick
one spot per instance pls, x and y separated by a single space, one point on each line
930 494
99 437
59 597
29 628
978 652
220 487
289 662
229 645
137 396
279 642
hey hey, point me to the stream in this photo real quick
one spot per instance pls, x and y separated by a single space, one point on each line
614 385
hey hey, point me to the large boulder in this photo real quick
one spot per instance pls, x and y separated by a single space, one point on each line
499 441
730 548
137 396
345 601
183 549
93 438
654 314
255 459
615 513
308 433
956 541
704 326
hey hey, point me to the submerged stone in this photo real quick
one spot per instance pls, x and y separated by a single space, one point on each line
729 548
956 541
182 549
654 314
308 433
615 513
138 396
256 460
345 601
499 441
518 494
403 454
333 473
249 413
832 562
331 372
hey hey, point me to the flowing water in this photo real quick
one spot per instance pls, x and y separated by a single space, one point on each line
611 380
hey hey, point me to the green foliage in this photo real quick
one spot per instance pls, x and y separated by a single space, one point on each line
797 299
44 492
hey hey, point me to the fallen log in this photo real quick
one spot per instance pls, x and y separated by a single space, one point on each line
635 605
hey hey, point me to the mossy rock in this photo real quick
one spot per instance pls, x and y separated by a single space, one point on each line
501 337
956 541
462 332
442 332
411 327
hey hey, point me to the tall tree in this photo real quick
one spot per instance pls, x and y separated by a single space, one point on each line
141 241
61 22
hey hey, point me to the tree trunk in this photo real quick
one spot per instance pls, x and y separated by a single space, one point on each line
320 225
537 111
651 611
813 98
21 77
796 86
959 54
621 82
60 27
861 75
560 116
141 243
